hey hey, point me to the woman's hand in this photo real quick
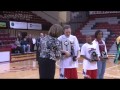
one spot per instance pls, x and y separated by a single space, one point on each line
67 54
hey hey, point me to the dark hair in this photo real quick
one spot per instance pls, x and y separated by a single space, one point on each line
66 27
97 32
55 30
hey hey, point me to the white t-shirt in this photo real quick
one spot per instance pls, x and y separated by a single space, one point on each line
68 62
34 40
86 51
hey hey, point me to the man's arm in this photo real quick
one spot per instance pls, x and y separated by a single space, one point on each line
76 47
83 56
95 43
83 53
76 51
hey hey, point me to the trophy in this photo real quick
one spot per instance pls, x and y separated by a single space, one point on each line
104 55
94 56
66 45
73 51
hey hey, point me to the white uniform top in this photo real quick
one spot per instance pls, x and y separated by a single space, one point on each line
85 50
68 62
97 46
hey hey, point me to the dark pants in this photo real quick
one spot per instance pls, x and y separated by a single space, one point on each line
32 47
46 68
19 49
37 55
117 45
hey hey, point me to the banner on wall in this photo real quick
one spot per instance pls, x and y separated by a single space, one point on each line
102 12
18 25
3 25
35 26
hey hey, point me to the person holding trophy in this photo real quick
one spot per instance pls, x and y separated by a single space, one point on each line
70 54
90 58
102 52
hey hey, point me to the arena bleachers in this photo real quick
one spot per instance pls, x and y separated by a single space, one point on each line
6 40
110 26
7 37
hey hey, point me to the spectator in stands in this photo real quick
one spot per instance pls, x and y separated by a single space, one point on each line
50 51
19 37
33 43
13 47
39 38
18 48
25 46
41 35
30 42
37 45
102 53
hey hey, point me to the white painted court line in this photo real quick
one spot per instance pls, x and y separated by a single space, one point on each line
110 75
27 77
112 67
113 76
106 74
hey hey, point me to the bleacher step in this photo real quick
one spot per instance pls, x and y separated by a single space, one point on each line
23 57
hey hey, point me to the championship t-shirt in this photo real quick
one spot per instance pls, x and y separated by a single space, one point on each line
86 50
68 62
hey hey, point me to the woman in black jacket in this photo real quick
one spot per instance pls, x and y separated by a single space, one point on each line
50 52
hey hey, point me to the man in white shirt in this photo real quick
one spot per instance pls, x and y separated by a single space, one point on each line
89 63
38 41
70 53
33 43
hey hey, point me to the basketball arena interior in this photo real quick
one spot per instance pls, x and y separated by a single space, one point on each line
17 65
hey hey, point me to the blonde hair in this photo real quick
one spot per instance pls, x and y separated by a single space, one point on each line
55 30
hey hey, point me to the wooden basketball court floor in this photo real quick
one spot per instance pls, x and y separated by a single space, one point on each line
29 70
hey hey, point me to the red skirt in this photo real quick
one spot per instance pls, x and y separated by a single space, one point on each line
92 73
70 73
